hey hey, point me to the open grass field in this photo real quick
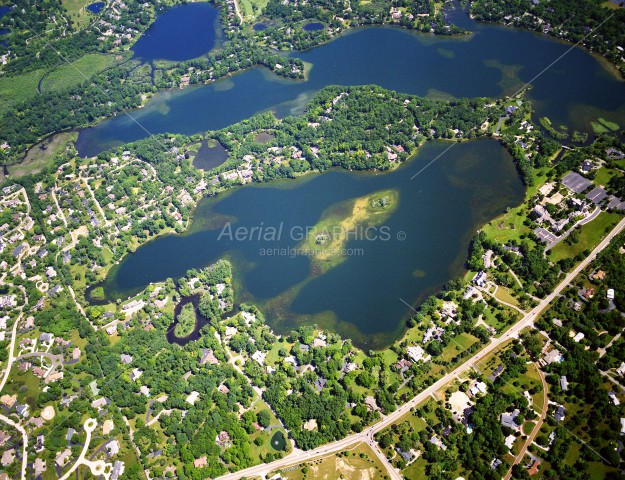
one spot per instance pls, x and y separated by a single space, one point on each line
504 295
17 89
603 176
251 9
356 463
416 470
416 422
590 236
509 226
488 364
528 427
14 90
70 75
80 15
459 344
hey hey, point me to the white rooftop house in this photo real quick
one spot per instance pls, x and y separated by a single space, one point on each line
610 294
259 357
480 387
415 353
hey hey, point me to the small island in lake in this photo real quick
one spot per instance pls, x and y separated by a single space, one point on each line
186 321
349 220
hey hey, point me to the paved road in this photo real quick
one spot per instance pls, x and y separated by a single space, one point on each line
20 429
539 424
12 358
7 371
595 213
367 435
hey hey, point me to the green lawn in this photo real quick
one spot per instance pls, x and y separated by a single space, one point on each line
251 9
603 176
509 226
590 236
416 470
458 344
80 15
528 427
70 75
504 295
16 89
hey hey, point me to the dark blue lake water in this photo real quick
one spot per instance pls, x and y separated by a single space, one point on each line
360 298
181 33
95 8
309 27
494 61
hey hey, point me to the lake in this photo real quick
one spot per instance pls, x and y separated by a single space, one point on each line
361 298
491 62
180 33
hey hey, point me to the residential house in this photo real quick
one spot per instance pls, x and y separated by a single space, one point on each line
112 447
259 357
62 457
208 357
480 279
509 419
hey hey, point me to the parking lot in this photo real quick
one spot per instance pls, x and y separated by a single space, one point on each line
575 182
545 236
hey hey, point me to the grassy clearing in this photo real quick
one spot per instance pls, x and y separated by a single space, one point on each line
416 470
528 427
504 295
590 235
70 75
459 344
603 176
251 9
17 89
490 363
356 463
415 422
77 11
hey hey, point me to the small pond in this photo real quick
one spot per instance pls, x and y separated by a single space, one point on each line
96 7
264 137
210 155
278 442
309 27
